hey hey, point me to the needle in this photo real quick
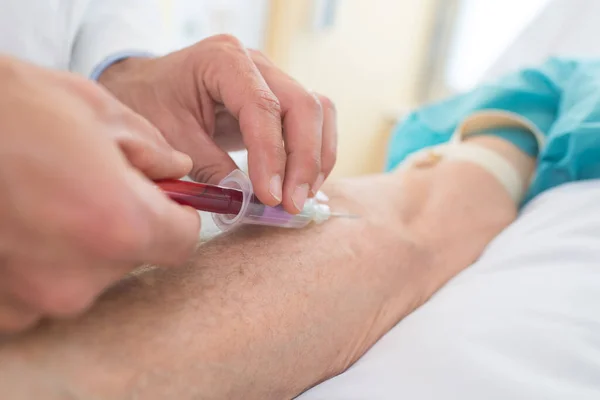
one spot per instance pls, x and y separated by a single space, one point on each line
343 215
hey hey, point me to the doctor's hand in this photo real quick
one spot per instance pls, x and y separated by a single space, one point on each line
76 211
216 96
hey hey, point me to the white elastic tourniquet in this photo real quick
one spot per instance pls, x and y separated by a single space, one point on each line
492 162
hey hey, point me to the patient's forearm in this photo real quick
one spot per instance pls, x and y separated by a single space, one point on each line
265 314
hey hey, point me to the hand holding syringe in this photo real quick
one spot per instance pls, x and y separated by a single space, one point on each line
233 203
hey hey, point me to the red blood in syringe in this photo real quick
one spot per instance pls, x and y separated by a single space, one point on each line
210 198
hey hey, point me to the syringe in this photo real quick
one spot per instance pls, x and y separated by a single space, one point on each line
203 197
233 202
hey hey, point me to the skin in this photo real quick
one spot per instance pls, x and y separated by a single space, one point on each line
77 207
266 314
91 158
217 96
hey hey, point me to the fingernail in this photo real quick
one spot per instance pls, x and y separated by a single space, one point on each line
318 183
275 188
299 196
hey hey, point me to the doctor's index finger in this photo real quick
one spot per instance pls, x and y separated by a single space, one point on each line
234 80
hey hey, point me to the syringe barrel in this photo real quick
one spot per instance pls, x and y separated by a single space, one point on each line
259 214
255 213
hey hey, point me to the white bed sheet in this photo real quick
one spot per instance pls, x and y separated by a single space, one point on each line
521 323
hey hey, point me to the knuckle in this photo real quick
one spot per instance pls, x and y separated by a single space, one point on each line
268 102
95 97
310 161
87 89
259 57
312 103
256 53
228 39
269 148
326 103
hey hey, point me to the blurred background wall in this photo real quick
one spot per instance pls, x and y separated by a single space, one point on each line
364 55
376 59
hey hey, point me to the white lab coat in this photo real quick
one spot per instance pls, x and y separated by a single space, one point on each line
564 28
77 35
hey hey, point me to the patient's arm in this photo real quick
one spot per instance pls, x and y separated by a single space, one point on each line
264 313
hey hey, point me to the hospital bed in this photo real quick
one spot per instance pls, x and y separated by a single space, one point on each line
523 322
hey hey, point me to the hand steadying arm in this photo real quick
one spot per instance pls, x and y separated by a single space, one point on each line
266 314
